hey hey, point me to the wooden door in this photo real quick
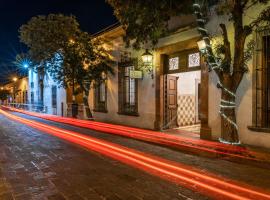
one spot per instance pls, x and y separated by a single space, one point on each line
171 102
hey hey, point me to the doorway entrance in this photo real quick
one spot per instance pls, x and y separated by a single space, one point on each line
182 96
181 85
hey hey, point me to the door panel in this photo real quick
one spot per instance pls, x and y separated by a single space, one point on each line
171 101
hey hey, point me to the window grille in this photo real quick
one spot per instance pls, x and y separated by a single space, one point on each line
100 99
128 89
261 106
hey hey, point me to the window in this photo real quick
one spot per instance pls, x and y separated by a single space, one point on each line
32 85
194 60
100 103
54 96
183 61
174 63
261 84
26 97
32 97
128 94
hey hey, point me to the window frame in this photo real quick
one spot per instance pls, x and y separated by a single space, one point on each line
125 108
100 106
259 81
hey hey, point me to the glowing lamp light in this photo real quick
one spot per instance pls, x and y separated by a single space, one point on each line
25 65
104 75
147 57
2 88
15 79
201 45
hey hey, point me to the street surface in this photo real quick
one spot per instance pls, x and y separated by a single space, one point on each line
35 165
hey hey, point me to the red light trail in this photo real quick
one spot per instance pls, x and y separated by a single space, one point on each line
189 177
192 145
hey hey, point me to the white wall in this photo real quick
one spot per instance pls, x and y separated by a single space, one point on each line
146 97
186 82
61 96
47 98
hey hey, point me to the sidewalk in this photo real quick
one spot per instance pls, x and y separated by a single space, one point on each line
248 155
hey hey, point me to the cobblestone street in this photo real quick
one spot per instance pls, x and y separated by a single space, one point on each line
34 165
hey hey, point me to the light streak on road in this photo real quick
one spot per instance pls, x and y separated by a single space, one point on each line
187 176
192 145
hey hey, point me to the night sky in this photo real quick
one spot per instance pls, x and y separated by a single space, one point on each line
93 16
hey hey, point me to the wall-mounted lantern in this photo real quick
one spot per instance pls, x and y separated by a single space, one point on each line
147 57
146 63
202 46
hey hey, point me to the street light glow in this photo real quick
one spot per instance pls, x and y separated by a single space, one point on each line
15 79
25 65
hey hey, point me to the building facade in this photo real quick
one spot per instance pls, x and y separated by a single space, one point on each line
182 91
45 95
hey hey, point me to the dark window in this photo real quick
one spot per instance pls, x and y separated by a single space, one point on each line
128 90
262 84
32 85
32 97
100 103
266 83
26 97
54 96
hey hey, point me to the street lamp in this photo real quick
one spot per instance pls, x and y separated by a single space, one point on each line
15 79
147 57
2 88
25 65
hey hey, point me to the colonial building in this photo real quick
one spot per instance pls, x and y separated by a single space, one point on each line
18 89
45 95
173 91
170 96
182 92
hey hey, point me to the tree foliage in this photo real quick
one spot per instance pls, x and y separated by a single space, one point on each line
146 20
72 57
4 94
45 35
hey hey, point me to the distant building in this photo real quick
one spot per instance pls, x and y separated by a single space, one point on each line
44 94
18 89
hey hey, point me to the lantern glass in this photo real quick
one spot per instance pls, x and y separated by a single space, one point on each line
147 57
201 45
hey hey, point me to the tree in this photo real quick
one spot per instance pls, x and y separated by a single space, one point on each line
44 36
228 61
72 57
4 94
83 62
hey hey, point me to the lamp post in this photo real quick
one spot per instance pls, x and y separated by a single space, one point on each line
14 89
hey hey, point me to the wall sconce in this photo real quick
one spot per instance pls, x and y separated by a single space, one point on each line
146 63
147 57
202 46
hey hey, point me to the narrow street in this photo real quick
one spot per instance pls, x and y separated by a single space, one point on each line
35 165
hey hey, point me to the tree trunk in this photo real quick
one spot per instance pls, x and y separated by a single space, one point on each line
229 129
86 105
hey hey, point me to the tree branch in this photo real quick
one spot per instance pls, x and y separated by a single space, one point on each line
227 47
263 17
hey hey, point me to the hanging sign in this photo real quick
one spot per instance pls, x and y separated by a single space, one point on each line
136 74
